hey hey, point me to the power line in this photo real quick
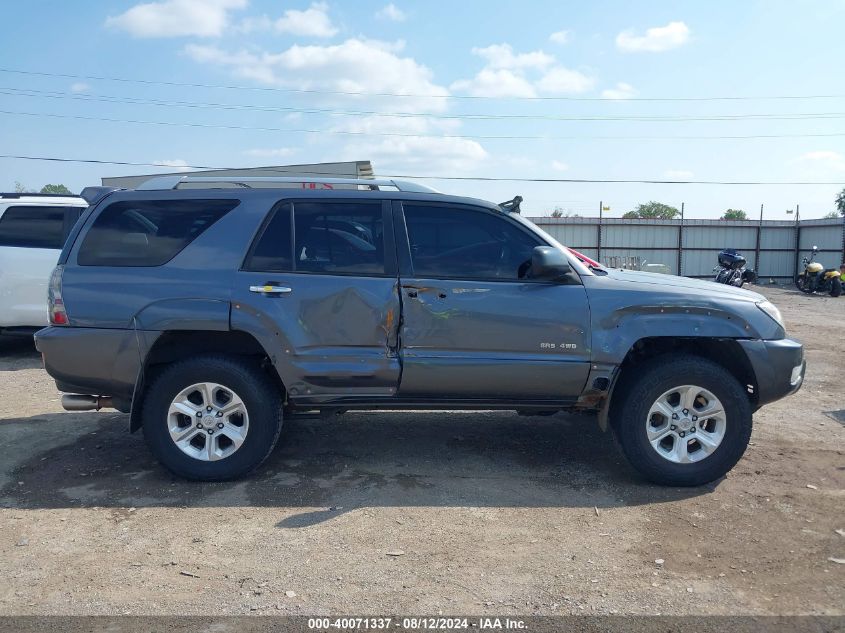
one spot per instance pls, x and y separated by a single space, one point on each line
429 177
102 98
399 94
415 135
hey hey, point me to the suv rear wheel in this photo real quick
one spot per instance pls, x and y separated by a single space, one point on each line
212 418
682 421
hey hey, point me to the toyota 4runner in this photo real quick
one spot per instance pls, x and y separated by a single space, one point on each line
210 313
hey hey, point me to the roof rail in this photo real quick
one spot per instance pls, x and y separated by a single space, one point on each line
172 182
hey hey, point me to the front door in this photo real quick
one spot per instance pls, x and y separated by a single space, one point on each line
321 277
474 324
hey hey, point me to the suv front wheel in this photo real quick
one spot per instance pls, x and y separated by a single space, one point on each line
212 418
682 420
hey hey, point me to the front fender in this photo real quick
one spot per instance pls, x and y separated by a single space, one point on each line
617 332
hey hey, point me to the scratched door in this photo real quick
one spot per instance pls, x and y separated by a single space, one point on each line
473 325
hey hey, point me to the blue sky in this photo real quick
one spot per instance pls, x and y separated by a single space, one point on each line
596 60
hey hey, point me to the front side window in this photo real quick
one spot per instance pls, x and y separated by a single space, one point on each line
33 227
324 237
454 242
148 232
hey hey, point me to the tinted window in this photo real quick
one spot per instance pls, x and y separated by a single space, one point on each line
273 252
328 237
33 227
461 243
148 233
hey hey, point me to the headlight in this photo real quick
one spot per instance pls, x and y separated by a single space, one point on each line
769 308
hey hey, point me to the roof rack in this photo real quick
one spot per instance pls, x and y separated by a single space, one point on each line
172 182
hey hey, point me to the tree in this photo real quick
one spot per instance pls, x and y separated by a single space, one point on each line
22 188
734 214
560 212
56 189
840 202
833 215
653 211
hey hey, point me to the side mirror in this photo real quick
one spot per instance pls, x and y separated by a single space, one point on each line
815 248
548 263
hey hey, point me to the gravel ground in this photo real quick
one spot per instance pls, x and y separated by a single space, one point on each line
425 513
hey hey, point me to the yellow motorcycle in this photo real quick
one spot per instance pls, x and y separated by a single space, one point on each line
815 278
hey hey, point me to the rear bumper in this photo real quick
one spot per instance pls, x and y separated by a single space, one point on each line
96 361
779 367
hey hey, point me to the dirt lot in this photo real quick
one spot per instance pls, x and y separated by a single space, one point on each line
494 513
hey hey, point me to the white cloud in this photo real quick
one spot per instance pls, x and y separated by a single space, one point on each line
656 39
560 37
559 166
176 18
391 12
495 83
677 174
502 56
826 159
621 91
426 155
359 65
560 80
79 86
276 152
312 22
356 65
177 163
509 74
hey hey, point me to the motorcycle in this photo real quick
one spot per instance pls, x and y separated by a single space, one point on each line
731 270
815 278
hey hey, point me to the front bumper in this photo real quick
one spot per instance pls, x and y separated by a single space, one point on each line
779 367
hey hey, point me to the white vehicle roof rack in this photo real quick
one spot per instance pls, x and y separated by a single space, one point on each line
162 183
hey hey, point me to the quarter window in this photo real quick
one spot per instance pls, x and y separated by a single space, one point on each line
454 242
148 232
33 227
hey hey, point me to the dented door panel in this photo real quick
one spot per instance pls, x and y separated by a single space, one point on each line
512 339
331 335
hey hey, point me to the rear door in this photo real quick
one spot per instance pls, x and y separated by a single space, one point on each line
322 275
475 325
31 238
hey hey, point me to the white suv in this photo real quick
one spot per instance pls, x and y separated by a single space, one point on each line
33 228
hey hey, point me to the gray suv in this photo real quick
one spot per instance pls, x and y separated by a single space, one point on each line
209 313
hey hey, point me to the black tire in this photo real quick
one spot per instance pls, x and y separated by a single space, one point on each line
645 384
260 395
800 283
835 287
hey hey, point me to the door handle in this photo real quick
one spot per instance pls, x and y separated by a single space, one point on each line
271 290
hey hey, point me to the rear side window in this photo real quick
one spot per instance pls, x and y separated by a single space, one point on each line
148 232
324 237
33 227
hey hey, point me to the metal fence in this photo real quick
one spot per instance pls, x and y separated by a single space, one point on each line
773 248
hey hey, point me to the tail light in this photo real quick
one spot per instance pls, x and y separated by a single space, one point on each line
55 304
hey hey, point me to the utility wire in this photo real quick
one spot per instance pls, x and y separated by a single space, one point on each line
310 173
27 92
412 134
399 94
